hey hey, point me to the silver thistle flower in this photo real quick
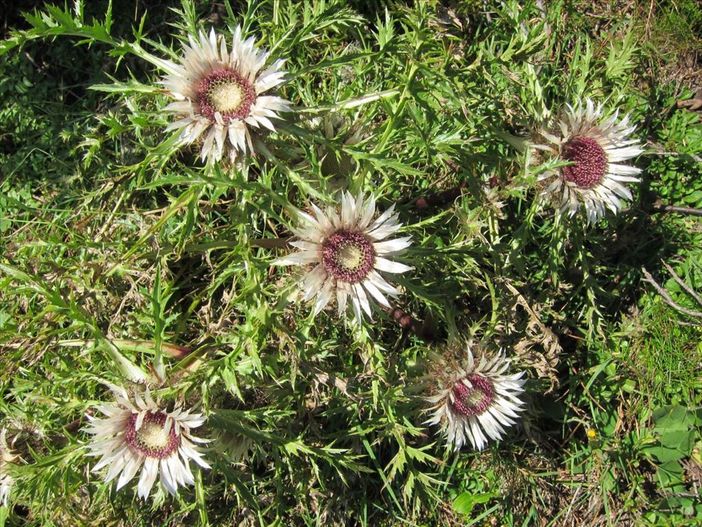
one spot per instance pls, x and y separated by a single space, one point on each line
596 148
219 94
475 402
345 251
141 435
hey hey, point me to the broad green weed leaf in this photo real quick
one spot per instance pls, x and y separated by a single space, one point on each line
466 502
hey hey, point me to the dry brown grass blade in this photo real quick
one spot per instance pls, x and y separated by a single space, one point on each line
537 333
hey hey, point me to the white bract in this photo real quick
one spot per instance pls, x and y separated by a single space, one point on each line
6 458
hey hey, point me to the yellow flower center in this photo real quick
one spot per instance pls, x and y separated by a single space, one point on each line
226 92
153 435
227 97
351 256
153 439
473 397
348 255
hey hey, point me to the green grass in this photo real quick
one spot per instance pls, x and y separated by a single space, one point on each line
109 234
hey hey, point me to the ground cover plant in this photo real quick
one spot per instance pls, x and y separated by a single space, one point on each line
350 263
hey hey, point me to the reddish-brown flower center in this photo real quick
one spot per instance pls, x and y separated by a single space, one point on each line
589 162
348 255
225 91
472 395
153 439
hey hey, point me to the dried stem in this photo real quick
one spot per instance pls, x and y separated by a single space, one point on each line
667 298
682 284
690 211
138 346
271 243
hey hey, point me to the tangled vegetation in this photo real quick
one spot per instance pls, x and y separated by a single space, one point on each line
131 260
